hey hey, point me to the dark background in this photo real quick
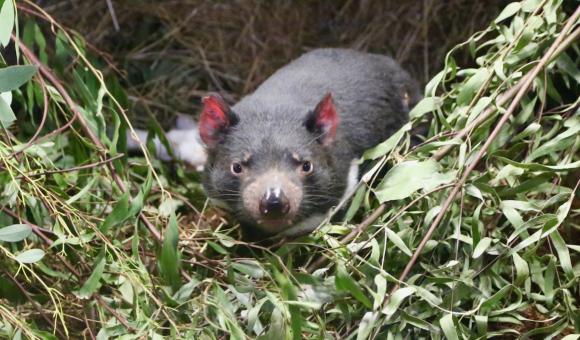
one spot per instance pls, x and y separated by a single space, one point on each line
170 53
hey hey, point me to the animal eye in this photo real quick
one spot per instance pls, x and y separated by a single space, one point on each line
307 167
236 168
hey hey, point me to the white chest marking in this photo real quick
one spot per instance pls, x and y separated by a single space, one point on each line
351 180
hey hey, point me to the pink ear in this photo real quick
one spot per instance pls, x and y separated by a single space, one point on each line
324 120
215 120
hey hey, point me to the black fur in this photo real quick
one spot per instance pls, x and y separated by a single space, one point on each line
369 94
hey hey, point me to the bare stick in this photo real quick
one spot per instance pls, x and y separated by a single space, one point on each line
113 15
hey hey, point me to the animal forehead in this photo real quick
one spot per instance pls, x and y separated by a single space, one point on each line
257 141
270 154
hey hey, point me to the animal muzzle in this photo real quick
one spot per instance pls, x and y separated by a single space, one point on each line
272 200
274 205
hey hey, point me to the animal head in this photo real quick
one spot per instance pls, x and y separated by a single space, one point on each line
274 171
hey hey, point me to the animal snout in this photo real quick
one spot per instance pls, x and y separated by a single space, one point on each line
274 204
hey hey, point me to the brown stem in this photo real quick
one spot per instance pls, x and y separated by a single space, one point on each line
522 89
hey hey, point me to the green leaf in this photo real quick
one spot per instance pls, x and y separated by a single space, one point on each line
6 22
388 145
397 299
399 243
119 214
433 84
509 11
481 247
426 295
7 116
490 303
470 88
567 65
90 286
407 177
448 327
541 167
571 337
355 204
12 77
522 270
30 256
563 254
169 262
15 232
251 268
428 104
366 325
344 282
84 191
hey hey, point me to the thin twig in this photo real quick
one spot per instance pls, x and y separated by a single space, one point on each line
113 15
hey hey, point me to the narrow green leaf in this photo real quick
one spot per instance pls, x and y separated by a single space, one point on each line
84 191
388 145
15 232
509 11
7 116
426 105
426 295
250 267
6 22
448 327
398 242
563 254
92 283
344 282
481 247
407 177
366 325
12 77
470 88
119 214
397 299
522 270
30 256
169 262
493 300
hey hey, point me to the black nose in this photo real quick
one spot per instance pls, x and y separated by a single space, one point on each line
274 204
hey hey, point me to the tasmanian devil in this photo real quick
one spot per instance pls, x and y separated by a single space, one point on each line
282 156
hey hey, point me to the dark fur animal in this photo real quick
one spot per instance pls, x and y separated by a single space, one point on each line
283 156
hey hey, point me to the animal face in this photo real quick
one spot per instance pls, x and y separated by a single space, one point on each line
273 173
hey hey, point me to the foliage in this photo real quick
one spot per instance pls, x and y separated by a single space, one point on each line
81 226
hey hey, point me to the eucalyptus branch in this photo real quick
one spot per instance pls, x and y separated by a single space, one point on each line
79 117
522 89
